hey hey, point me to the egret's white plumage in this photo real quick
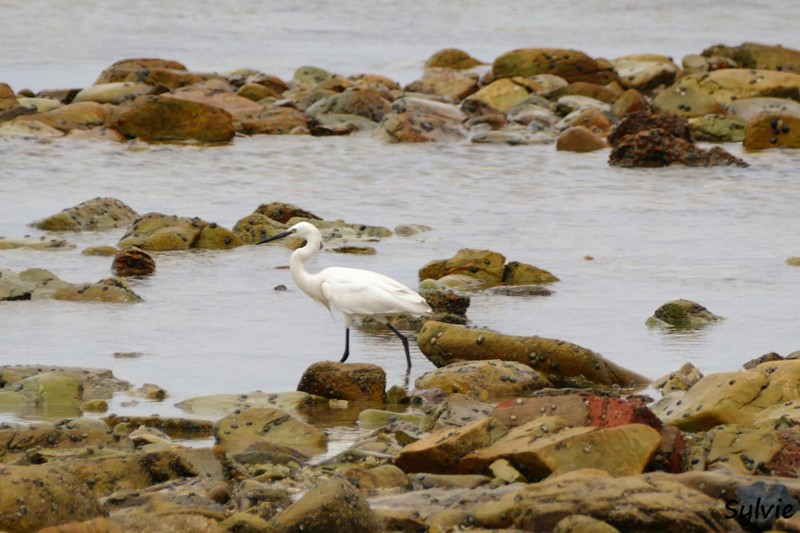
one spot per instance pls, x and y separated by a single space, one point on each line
353 291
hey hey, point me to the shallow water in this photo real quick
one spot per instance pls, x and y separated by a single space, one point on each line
211 321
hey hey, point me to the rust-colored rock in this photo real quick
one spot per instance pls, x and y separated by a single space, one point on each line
579 139
159 118
656 148
452 58
275 120
133 261
772 130
344 381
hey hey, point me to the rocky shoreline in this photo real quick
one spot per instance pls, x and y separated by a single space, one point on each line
509 433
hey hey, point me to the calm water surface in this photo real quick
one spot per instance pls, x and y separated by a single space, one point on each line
212 322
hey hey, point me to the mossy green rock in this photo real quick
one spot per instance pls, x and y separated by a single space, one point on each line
562 363
718 128
571 65
683 314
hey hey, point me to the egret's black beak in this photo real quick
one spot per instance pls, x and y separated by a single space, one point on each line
276 237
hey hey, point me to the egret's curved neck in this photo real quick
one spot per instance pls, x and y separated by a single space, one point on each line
298 259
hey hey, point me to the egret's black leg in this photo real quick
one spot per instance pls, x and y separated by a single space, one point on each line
405 342
346 345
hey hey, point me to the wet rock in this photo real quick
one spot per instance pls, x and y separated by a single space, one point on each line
512 135
113 93
747 450
779 416
29 284
155 231
41 105
687 99
35 243
452 58
283 212
766 358
309 75
562 363
132 261
594 119
583 524
793 261
222 404
274 120
447 305
340 124
448 83
109 290
484 379
333 505
100 251
681 380
441 452
536 453
579 139
732 84
256 92
633 123
655 148
631 101
34 497
158 118
748 108
344 381
7 97
28 129
246 523
718 128
376 418
487 266
418 120
571 65
97 214
256 227
370 102
76 437
731 397
645 72
237 431
77 116
772 130
238 107
503 94
758 56
603 93
379 480
95 383
457 410
121 70
683 314
514 290
572 103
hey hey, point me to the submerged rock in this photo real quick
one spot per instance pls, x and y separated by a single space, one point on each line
109 290
35 243
562 363
133 261
683 314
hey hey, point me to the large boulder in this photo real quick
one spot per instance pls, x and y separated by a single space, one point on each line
92 215
160 118
656 148
562 363
486 267
484 379
732 84
121 70
571 65
731 397
238 107
75 116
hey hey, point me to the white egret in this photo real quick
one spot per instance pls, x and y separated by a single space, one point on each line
353 291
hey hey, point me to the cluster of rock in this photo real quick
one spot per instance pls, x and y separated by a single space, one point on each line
743 94
479 444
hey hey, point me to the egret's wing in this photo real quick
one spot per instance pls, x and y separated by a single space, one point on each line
362 292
